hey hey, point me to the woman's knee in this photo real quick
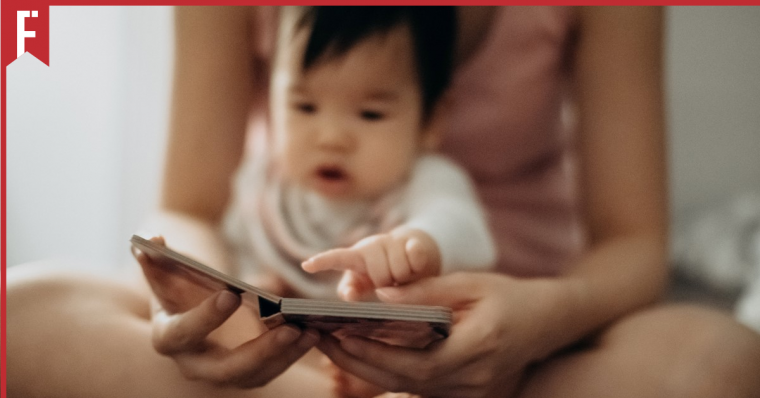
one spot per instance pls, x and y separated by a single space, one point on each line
46 287
706 353
35 285
62 325
46 303
722 357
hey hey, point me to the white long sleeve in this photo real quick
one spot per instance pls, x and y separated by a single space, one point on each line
444 204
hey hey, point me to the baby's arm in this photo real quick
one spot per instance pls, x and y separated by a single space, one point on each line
402 256
444 204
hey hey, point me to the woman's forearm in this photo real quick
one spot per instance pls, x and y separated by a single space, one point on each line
622 175
211 101
613 278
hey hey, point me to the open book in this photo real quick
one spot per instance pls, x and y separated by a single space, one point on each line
408 325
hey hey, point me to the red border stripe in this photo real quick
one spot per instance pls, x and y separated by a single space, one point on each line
7 53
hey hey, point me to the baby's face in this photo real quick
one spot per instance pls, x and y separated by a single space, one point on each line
351 126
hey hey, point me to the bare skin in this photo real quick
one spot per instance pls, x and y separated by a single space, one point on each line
402 256
520 328
74 336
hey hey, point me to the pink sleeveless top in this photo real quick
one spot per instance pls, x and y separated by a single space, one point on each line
507 130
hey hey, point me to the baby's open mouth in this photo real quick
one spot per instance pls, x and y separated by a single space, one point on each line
331 173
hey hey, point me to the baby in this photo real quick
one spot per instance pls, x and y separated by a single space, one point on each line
348 181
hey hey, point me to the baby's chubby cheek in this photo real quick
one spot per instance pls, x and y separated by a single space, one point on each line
387 173
287 161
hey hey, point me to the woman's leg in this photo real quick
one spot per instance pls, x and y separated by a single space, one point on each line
671 351
77 336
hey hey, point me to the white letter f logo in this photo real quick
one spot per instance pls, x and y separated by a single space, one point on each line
21 33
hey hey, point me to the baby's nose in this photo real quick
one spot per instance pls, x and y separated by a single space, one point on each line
334 136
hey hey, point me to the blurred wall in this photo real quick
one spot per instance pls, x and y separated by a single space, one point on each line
85 136
713 72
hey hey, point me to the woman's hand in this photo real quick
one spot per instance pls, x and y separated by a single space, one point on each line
184 317
496 334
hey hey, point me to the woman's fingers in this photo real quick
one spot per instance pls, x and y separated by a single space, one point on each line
141 257
471 362
429 372
387 380
282 355
185 313
158 239
173 288
252 364
174 333
184 337
437 361
451 290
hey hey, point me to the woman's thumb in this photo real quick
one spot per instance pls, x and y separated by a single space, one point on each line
449 291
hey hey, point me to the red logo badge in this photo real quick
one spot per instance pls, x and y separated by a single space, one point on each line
26 29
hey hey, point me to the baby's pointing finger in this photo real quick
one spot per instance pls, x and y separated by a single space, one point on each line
336 259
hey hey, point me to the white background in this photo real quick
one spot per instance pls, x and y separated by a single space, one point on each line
86 135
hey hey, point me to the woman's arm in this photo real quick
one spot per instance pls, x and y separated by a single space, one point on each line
211 99
621 145
209 339
213 94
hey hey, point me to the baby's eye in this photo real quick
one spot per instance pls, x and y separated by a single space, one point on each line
372 115
305 107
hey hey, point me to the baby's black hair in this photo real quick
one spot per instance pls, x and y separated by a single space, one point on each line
336 29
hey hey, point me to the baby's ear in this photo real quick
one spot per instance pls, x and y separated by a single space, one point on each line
437 124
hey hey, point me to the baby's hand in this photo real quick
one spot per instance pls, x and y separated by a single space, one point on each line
399 257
